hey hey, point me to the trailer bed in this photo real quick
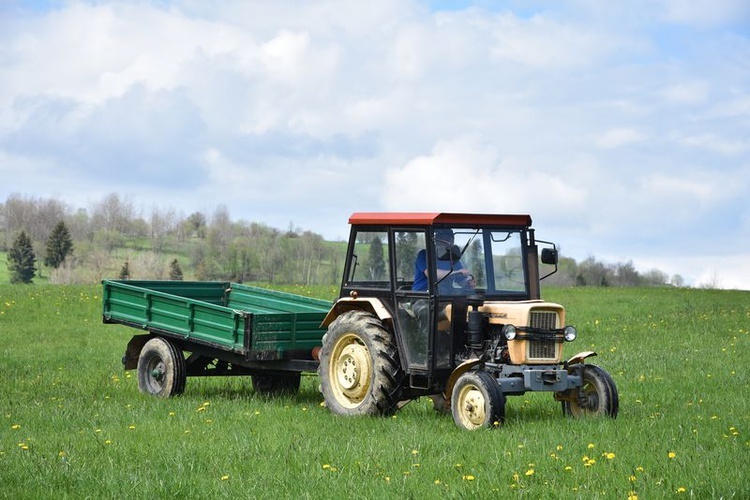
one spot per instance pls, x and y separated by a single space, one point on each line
241 323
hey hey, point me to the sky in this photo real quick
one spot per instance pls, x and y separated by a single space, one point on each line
621 127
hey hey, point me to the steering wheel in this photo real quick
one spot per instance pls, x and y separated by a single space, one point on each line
463 281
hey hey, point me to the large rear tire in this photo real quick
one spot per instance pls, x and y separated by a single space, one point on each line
596 397
477 402
161 369
360 372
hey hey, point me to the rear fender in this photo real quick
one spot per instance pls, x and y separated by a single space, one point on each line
354 303
578 358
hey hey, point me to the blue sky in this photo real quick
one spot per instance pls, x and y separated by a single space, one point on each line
623 128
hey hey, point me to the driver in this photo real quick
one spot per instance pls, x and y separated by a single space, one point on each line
447 263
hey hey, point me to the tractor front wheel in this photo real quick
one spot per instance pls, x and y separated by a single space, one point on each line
161 369
477 401
596 397
360 372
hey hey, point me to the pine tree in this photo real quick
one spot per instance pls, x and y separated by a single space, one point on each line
59 246
175 271
21 260
376 263
125 271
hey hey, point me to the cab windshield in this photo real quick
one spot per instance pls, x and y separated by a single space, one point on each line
488 261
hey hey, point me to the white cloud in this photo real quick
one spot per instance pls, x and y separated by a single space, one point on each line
618 137
467 174
706 13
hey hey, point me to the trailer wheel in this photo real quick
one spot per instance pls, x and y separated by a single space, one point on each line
161 369
360 372
596 397
277 383
477 401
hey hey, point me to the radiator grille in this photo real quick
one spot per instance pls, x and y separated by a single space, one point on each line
546 320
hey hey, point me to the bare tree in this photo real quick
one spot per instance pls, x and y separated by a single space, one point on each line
113 214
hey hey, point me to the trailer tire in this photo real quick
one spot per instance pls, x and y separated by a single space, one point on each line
477 402
598 395
276 383
161 369
360 372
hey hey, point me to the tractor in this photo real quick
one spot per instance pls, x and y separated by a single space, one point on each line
448 306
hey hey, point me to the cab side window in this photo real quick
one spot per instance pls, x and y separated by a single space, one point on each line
370 264
408 245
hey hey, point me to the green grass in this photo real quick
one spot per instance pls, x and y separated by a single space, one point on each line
73 424
4 273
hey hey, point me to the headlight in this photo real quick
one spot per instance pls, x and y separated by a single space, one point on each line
570 333
509 331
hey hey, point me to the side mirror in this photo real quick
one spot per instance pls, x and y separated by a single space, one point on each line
549 256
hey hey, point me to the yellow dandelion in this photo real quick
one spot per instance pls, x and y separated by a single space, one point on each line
437 481
529 472
468 477
591 446
131 427
568 468
107 441
632 496
671 455
171 414
609 455
516 477
632 478
387 479
681 489
15 427
326 466
415 452
225 477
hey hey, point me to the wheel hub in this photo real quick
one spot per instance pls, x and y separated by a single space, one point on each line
472 406
158 371
352 371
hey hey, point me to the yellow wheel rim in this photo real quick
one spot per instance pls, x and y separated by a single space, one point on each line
350 370
472 407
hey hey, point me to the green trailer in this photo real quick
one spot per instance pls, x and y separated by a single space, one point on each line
225 329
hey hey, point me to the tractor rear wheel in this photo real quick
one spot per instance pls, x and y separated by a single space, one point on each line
360 372
477 401
161 369
596 397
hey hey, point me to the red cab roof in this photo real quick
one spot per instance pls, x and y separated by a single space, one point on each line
430 218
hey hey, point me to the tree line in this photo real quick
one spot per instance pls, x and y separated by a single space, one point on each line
44 237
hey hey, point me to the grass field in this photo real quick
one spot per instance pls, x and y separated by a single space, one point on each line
73 424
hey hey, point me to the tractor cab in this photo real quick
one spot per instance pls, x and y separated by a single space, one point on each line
429 270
